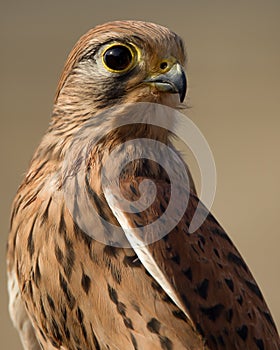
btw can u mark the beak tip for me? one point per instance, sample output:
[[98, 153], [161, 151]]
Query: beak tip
[[182, 86], [182, 96]]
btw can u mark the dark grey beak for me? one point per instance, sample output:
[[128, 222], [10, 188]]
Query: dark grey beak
[[174, 81]]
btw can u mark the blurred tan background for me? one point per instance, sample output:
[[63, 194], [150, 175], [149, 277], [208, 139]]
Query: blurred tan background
[[234, 79]]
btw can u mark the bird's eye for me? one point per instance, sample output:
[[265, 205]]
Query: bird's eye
[[118, 58]]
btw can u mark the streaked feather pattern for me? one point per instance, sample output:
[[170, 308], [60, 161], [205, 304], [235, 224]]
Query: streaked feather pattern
[[69, 291]]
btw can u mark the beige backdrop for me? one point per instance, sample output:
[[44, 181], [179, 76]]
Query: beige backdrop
[[234, 77]]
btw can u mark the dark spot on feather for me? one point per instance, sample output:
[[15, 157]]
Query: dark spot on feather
[[15, 210], [53, 342], [14, 240], [94, 338], [202, 288], [67, 333], [165, 343], [221, 340], [18, 272], [42, 334], [221, 233], [116, 273], [230, 283], [179, 314], [216, 252], [113, 294], [62, 225], [56, 331], [81, 235], [63, 312], [202, 239], [50, 302], [30, 289], [58, 254], [80, 315], [97, 200], [39, 168], [162, 208], [134, 342], [237, 261], [188, 273], [186, 301], [176, 258], [33, 198], [199, 329], [30, 242], [212, 312], [69, 260], [128, 323], [240, 299], [137, 224], [37, 273], [86, 282], [242, 332], [121, 308], [200, 245], [194, 249], [133, 190], [213, 340], [166, 298], [157, 287], [269, 319], [42, 309], [259, 343], [254, 288], [65, 288], [154, 325], [132, 261], [84, 331], [211, 218], [111, 251], [229, 315], [45, 215]]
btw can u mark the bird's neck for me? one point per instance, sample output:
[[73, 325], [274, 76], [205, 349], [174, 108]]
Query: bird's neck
[[72, 131]]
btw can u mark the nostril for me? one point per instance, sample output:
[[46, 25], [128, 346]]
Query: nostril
[[163, 65]]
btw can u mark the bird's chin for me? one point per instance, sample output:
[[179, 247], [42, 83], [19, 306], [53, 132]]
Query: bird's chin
[[151, 94], [170, 100], [165, 98]]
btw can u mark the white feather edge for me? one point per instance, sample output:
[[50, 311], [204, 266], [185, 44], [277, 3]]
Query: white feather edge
[[19, 316], [146, 258]]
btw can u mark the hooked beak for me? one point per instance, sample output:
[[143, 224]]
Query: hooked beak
[[173, 81]]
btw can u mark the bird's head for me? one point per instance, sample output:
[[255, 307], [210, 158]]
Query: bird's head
[[123, 61]]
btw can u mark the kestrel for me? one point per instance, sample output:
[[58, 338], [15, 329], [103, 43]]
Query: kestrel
[[70, 291]]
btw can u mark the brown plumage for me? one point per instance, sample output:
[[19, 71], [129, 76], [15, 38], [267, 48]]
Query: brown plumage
[[69, 291]]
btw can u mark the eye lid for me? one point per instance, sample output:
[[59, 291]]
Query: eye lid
[[133, 50]]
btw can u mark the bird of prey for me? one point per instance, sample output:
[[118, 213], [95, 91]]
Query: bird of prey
[[70, 291]]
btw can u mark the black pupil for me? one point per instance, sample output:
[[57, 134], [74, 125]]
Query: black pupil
[[118, 57]]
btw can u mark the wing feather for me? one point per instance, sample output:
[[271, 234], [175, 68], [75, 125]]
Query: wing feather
[[203, 273]]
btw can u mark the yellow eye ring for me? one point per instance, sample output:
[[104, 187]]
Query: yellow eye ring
[[119, 57]]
